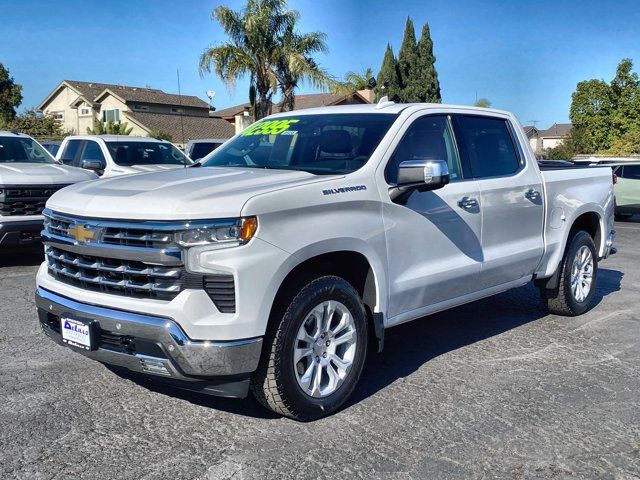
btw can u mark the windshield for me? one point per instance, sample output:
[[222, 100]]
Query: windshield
[[146, 153], [24, 150], [320, 144]]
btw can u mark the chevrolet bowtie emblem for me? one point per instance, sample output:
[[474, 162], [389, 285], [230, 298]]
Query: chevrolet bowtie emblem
[[82, 234]]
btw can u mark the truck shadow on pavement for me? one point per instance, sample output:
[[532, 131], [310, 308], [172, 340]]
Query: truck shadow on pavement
[[411, 345], [22, 256]]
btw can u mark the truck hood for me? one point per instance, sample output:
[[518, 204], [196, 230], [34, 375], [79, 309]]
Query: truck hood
[[42, 173], [179, 194], [121, 170]]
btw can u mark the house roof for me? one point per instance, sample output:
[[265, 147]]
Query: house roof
[[311, 100], [559, 130], [194, 126], [90, 91], [530, 130]]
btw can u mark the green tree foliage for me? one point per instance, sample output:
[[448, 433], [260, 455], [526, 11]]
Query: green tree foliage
[[109, 128], [388, 82], [160, 135], [425, 76], [482, 102], [590, 113], [355, 81], [264, 45], [10, 96], [566, 150], [626, 145], [408, 65], [625, 100], [296, 64], [36, 125]]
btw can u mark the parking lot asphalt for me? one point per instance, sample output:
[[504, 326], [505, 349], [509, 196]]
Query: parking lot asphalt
[[493, 389]]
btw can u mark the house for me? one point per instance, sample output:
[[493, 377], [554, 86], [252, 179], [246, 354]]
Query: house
[[554, 135], [533, 135], [184, 117], [239, 116]]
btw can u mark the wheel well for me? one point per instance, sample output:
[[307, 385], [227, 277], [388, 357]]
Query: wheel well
[[590, 223]]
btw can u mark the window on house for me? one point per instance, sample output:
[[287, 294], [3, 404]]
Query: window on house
[[141, 108], [85, 112], [111, 115], [176, 110], [58, 116]]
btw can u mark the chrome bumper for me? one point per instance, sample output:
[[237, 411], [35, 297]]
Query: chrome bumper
[[147, 344]]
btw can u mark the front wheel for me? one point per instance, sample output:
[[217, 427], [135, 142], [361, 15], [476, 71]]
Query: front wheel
[[577, 283], [314, 352]]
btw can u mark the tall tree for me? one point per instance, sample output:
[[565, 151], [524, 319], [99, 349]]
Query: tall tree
[[407, 63], [252, 49], [388, 81], [426, 76], [295, 62], [10, 96], [38, 125], [625, 100], [590, 114]]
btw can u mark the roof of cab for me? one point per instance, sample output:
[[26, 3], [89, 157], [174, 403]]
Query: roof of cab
[[6, 133], [116, 138], [388, 107]]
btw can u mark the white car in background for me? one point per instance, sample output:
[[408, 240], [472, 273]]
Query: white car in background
[[28, 177], [112, 155]]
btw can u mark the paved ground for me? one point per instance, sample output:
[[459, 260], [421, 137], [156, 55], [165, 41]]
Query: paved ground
[[494, 389]]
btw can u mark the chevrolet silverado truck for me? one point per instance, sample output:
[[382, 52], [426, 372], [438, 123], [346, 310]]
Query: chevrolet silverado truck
[[276, 263], [113, 155], [28, 177]]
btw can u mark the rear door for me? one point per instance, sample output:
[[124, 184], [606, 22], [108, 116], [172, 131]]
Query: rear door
[[511, 198], [628, 188], [433, 242]]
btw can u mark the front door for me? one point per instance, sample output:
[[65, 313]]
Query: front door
[[433, 240]]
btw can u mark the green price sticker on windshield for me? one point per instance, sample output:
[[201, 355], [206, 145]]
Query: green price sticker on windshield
[[269, 127]]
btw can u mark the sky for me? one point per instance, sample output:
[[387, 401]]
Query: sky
[[524, 56]]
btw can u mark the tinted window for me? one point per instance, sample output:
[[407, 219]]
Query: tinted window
[[92, 151], [70, 151], [201, 150], [146, 153], [23, 150], [428, 138], [631, 171], [487, 144], [320, 144]]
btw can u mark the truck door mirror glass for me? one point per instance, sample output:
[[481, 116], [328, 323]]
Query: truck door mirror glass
[[422, 175], [95, 165]]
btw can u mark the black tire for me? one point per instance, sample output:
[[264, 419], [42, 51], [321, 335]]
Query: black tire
[[274, 384], [562, 301]]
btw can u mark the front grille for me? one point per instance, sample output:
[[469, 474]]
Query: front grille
[[108, 275], [25, 200], [221, 289]]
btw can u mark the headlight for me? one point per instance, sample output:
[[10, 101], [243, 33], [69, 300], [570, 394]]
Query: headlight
[[238, 231]]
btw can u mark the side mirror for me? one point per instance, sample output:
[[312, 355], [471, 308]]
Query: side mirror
[[421, 175], [95, 165]]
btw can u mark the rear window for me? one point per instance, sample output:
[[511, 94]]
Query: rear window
[[146, 153], [22, 150], [201, 150], [488, 145], [631, 172]]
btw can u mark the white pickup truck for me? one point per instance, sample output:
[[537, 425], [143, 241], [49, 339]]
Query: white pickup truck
[[113, 155], [276, 263], [28, 177]]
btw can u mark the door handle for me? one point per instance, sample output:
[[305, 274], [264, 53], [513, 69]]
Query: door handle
[[532, 194], [468, 203]]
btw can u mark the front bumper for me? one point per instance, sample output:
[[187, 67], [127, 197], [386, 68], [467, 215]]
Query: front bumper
[[14, 233], [155, 346]]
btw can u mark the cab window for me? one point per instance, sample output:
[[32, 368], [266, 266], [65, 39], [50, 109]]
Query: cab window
[[427, 138]]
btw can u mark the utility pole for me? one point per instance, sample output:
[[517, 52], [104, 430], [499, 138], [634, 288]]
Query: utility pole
[[180, 102]]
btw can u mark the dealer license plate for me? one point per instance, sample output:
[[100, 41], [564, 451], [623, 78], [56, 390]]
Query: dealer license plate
[[75, 333]]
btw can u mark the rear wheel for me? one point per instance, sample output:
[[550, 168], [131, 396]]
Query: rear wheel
[[577, 283], [314, 352]]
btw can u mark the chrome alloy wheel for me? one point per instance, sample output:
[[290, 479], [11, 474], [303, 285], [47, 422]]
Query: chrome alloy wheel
[[325, 348], [582, 273]]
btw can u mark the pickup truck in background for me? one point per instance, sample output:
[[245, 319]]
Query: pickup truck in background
[[112, 155], [197, 149], [28, 177], [278, 261]]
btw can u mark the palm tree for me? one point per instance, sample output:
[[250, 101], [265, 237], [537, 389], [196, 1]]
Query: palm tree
[[355, 81], [253, 48], [296, 64], [109, 128]]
